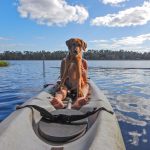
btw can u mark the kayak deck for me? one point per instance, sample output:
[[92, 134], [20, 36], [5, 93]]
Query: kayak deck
[[19, 130]]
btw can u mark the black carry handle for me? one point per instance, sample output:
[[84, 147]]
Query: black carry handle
[[62, 118]]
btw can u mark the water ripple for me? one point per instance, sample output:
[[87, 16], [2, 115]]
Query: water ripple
[[126, 86]]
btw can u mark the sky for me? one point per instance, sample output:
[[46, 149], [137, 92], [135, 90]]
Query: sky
[[35, 25]]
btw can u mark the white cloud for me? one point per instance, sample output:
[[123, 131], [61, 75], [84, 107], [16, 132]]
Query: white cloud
[[4, 38], [40, 37], [130, 40], [98, 41], [139, 15], [113, 2], [137, 43], [52, 12], [15, 46]]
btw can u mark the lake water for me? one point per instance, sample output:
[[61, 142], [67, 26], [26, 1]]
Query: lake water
[[125, 83]]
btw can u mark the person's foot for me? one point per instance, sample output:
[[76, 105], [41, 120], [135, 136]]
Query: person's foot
[[58, 104], [79, 102]]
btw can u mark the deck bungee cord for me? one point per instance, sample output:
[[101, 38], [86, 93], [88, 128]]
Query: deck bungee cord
[[63, 118]]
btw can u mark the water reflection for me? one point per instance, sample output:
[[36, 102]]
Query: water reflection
[[128, 91]]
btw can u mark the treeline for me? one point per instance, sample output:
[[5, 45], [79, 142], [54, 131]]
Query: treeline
[[29, 55], [89, 55]]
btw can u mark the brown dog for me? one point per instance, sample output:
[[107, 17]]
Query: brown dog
[[73, 75]]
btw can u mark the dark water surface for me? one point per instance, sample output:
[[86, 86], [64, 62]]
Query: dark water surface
[[126, 84]]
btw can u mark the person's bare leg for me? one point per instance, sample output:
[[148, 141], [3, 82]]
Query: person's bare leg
[[59, 96], [82, 100]]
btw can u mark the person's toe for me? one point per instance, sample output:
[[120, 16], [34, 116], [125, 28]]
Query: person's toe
[[76, 105], [57, 103], [59, 106], [79, 102], [53, 102], [82, 102]]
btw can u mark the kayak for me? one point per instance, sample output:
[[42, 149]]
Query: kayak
[[25, 129]]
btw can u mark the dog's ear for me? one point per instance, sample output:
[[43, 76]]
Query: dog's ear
[[68, 42], [84, 45]]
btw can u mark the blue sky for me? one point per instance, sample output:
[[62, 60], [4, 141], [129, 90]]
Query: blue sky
[[36, 25]]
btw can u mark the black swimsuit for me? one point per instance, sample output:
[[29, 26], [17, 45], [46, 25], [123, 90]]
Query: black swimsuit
[[72, 93]]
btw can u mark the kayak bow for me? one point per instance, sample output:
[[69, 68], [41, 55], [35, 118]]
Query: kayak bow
[[26, 129]]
